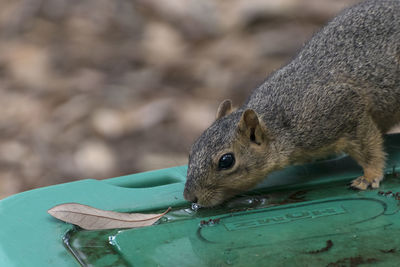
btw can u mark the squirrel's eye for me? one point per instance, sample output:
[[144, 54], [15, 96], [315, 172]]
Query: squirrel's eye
[[226, 161]]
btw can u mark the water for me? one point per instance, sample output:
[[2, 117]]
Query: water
[[195, 206]]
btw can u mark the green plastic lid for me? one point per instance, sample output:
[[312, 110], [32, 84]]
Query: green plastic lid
[[302, 216]]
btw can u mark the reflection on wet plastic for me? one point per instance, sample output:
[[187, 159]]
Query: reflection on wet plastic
[[195, 206]]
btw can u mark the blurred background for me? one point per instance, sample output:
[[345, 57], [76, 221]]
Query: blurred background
[[100, 88]]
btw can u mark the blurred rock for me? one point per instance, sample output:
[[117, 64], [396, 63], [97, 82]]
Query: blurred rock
[[161, 161], [196, 20], [149, 115], [12, 152], [195, 117], [29, 65], [9, 184], [71, 111], [20, 113], [142, 81], [249, 12], [95, 158], [281, 41], [162, 45], [86, 80], [254, 12], [108, 123]]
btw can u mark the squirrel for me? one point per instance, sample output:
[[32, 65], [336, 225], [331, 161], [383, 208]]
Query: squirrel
[[341, 93]]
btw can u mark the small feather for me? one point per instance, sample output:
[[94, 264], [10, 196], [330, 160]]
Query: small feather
[[90, 218]]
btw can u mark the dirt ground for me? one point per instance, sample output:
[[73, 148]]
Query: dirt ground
[[99, 88]]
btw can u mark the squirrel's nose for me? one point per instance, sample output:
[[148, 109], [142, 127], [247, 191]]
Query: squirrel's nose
[[190, 196]]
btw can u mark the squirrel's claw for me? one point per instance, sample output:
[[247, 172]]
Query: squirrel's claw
[[361, 183], [375, 183]]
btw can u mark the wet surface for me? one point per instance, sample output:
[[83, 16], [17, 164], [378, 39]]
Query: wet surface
[[93, 248], [327, 225]]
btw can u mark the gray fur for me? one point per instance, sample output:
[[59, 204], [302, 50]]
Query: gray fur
[[316, 98], [348, 71]]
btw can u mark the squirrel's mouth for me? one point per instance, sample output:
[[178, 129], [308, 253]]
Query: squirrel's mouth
[[210, 197], [213, 198], [203, 197], [207, 203]]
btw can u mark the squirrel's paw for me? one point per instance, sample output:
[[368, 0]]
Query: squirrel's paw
[[375, 183], [362, 183]]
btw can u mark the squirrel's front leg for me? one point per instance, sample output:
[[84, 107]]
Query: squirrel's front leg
[[367, 150]]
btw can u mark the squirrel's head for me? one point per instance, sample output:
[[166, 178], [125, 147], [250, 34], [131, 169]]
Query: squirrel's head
[[230, 157]]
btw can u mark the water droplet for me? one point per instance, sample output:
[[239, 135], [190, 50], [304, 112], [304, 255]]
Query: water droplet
[[263, 201], [111, 240], [189, 211], [195, 206]]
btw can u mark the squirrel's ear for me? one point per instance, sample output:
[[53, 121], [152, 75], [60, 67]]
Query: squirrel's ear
[[250, 127], [225, 108]]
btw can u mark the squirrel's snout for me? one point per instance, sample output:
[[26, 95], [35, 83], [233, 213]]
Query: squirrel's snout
[[194, 200], [189, 196]]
